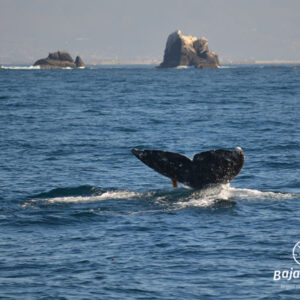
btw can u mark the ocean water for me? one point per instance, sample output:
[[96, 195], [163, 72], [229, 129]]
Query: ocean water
[[82, 218]]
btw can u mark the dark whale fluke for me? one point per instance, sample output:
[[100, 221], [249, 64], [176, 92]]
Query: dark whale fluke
[[206, 168]]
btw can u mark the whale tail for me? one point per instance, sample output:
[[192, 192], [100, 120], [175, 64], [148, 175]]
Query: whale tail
[[206, 168]]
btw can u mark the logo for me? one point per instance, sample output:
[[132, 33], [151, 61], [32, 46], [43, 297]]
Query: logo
[[296, 253], [290, 274]]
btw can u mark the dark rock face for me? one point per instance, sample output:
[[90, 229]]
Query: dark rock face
[[58, 60], [188, 51], [79, 62], [61, 55]]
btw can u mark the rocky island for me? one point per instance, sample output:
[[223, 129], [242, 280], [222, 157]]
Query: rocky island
[[59, 60], [184, 50]]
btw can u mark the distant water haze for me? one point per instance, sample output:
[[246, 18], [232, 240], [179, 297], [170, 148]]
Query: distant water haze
[[136, 31]]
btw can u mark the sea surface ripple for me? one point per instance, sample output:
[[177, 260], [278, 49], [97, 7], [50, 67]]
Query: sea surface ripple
[[82, 218]]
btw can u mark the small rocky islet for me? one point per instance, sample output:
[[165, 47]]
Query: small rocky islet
[[59, 60]]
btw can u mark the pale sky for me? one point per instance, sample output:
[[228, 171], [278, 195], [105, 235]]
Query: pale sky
[[130, 30]]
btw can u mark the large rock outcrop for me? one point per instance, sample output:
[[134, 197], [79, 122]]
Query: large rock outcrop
[[59, 60], [184, 50]]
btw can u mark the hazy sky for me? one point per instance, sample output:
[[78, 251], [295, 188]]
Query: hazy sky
[[137, 29]]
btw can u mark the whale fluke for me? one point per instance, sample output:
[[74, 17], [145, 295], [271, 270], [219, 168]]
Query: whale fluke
[[207, 168]]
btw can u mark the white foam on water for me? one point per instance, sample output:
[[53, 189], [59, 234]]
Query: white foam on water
[[210, 196], [181, 67], [34, 68], [249, 194], [202, 198], [82, 199], [21, 68], [205, 197], [226, 67]]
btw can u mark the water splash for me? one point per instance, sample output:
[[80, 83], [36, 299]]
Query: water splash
[[221, 193], [175, 199], [206, 197]]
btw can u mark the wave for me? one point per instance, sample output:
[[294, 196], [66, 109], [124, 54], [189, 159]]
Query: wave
[[109, 195], [181, 67], [219, 195], [81, 194], [81, 190], [226, 67], [21, 67], [249, 194], [33, 68]]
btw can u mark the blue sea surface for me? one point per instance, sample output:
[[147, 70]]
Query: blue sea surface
[[82, 218]]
